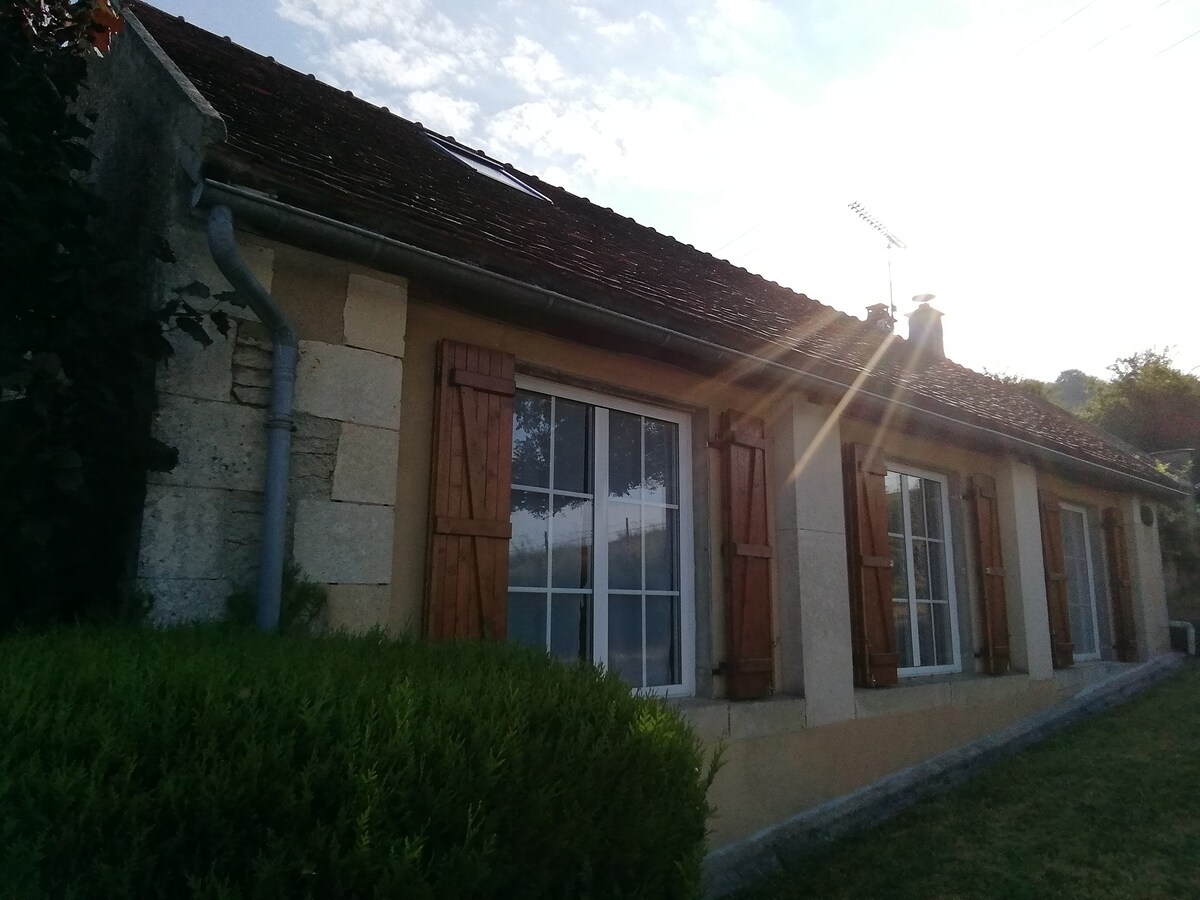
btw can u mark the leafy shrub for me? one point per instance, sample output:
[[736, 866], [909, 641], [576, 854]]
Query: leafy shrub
[[225, 763]]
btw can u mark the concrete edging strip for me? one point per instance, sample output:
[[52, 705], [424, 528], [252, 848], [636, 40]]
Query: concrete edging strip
[[735, 866]]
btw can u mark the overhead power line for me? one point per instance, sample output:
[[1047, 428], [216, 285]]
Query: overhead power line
[[1176, 44], [1132, 21], [1052, 30]]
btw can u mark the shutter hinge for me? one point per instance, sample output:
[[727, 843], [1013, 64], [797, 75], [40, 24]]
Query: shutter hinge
[[721, 669]]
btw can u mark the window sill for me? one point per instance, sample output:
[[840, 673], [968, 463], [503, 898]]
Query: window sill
[[739, 720], [930, 691]]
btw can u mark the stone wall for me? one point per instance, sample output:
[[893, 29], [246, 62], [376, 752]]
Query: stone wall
[[202, 521]]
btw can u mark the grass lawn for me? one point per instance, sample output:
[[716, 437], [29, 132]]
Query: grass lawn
[[1107, 808]]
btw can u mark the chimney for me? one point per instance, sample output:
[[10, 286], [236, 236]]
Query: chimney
[[879, 316], [925, 329]]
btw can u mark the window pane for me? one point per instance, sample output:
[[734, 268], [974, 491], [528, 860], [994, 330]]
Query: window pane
[[891, 483], [571, 626], [941, 634], [662, 548], [921, 568], [1079, 585], [933, 509], [527, 619], [916, 505], [572, 550], [624, 546], [625, 637], [903, 635], [624, 455], [572, 446], [662, 641], [899, 569], [527, 549], [925, 633], [937, 571], [531, 439], [662, 465]]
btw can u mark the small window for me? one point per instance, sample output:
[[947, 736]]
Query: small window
[[600, 558], [486, 166], [922, 572]]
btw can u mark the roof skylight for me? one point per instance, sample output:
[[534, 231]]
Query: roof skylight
[[485, 166]]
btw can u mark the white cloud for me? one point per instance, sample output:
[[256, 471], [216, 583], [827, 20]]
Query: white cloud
[[623, 29], [441, 113], [372, 60], [535, 69], [355, 15]]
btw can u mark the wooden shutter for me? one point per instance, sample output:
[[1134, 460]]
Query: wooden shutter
[[872, 616], [467, 574], [990, 564], [1121, 585], [749, 661], [1061, 648]]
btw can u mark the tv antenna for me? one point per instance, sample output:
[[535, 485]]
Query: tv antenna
[[892, 241]]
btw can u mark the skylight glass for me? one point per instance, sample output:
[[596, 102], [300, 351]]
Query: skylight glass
[[488, 167]]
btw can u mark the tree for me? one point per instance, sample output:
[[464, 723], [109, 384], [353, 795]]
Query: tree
[[1073, 388], [79, 343], [1149, 403]]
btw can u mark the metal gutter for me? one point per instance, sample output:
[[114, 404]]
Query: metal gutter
[[330, 236], [284, 352]]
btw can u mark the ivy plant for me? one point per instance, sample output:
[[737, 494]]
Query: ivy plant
[[79, 343]]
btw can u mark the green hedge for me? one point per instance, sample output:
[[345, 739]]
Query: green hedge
[[223, 763]]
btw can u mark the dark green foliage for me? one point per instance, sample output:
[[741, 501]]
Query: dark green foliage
[[78, 342], [225, 763], [1149, 403], [1074, 388], [302, 603]]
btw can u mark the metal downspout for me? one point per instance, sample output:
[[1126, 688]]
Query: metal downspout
[[284, 350]]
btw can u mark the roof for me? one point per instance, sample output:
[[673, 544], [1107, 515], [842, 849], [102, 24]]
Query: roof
[[324, 150]]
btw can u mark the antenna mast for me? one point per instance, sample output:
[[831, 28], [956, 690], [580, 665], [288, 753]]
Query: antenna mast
[[892, 241]]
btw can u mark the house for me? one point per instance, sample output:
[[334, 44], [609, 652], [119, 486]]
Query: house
[[520, 415]]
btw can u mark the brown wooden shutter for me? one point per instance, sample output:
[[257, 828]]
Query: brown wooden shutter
[[990, 557], [467, 573], [1061, 648], [872, 614], [1121, 584], [749, 661]]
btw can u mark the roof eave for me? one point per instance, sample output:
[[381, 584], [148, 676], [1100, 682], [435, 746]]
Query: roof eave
[[312, 230]]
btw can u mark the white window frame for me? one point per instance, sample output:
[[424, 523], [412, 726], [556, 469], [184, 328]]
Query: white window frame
[[486, 166], [951, 593], [1091, 580], [687, 592]]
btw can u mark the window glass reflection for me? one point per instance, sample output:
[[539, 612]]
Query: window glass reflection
[[571, 552], [531, 439], [624, 456], [661, 483], [572, 446], [527, 550], [527, 618]]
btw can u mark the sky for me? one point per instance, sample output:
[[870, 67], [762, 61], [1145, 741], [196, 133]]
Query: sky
[[1039, 160]]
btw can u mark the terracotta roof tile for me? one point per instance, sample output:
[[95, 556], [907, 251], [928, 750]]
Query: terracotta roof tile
[[325, 150]]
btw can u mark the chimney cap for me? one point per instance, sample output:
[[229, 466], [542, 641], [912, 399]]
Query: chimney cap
[[880, 316]]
